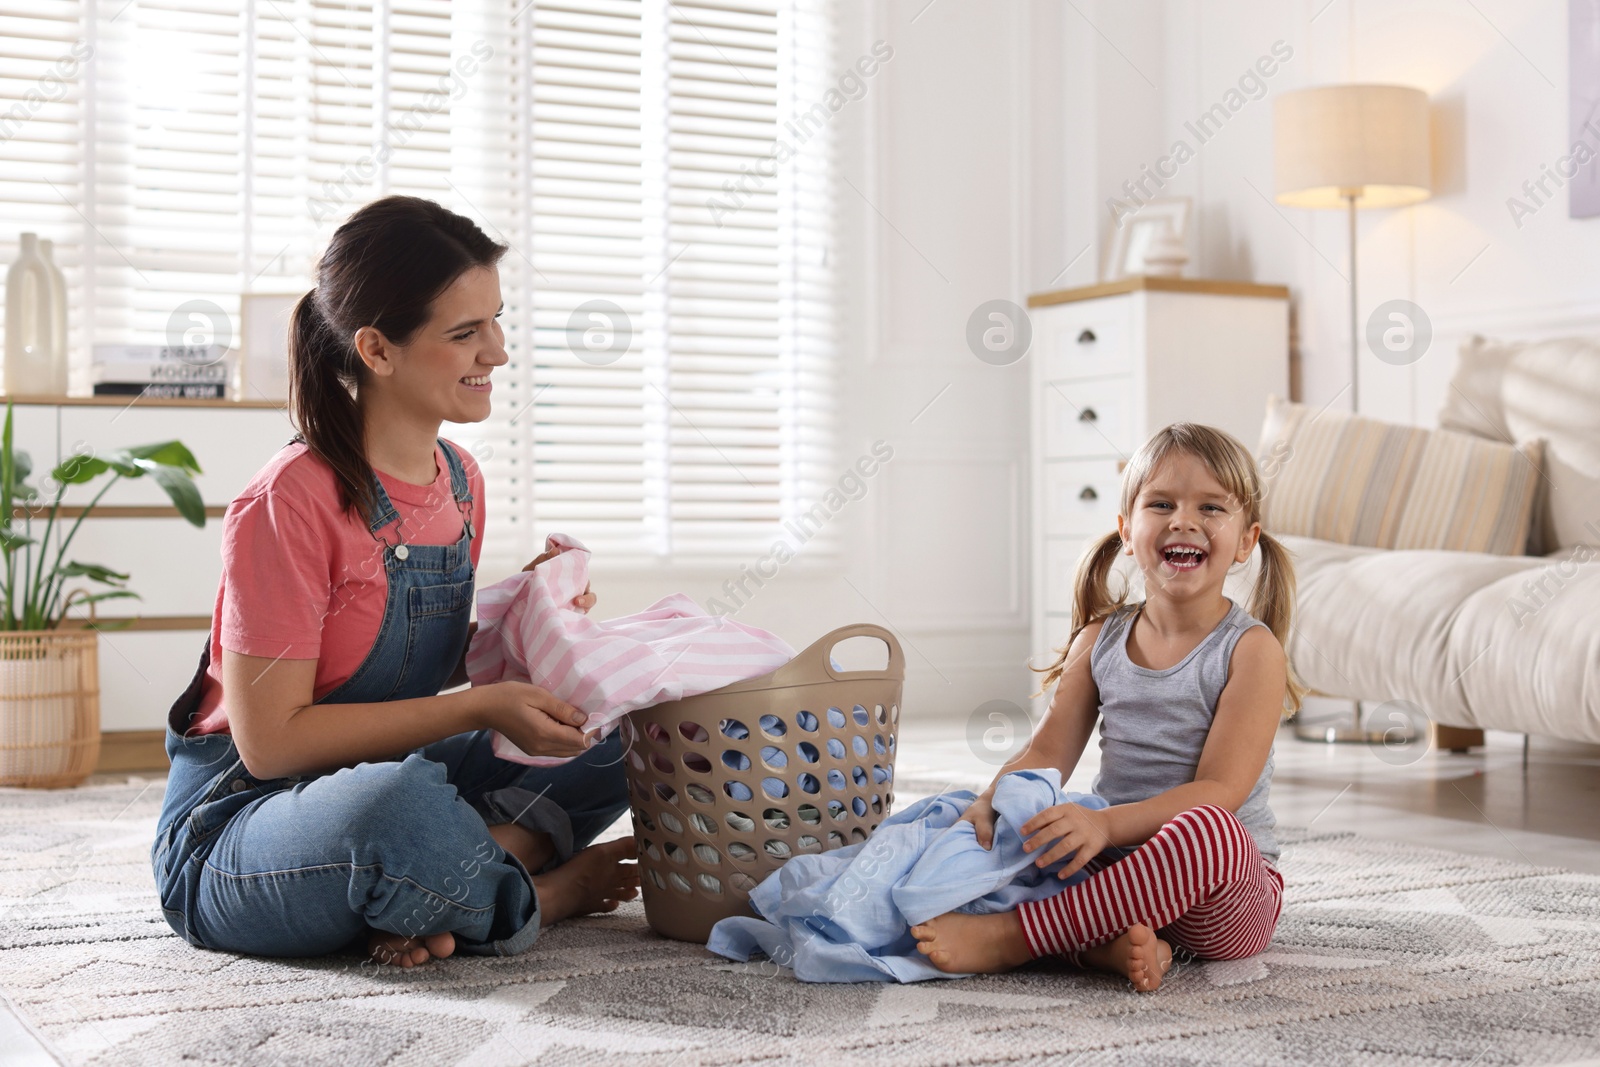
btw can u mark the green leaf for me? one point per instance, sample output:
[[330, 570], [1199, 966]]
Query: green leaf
[[168, 454], [75, 470], [109, 594], [181, 488], [10, 541], [92, 571], [7, 470]]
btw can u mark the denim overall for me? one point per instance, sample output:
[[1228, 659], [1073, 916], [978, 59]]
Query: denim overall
[[302, 865]]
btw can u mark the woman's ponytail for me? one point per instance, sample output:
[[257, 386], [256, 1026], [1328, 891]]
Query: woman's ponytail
[[322, 377]]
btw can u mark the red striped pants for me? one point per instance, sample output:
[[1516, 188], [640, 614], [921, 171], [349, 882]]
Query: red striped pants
[[1200, 881]]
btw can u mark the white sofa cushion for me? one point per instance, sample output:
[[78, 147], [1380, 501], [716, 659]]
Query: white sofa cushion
[[1472, 404], [1551, 389], [1499, 642]]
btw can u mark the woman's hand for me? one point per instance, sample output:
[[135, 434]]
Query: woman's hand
[[584, 600], [1074, 829], [980, 813], [533, 719]]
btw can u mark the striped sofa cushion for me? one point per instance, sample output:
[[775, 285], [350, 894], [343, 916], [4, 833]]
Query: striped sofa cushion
[[1359, 481]]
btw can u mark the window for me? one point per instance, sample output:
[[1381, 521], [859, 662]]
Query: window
[[661, 170]]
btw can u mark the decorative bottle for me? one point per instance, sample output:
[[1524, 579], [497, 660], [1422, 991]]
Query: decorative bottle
[[58, 315], [30, 341]]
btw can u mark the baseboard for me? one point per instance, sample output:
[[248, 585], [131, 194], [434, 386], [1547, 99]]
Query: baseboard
[[132, 750]]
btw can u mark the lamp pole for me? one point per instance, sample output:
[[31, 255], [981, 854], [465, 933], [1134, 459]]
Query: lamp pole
[[1351, 195]]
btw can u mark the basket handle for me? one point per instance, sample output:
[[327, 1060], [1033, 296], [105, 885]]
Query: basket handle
[[815, 657]]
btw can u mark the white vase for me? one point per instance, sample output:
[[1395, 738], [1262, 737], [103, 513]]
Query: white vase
[[30, 326], [58, 314]]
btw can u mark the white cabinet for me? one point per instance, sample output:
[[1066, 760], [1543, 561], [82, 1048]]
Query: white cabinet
[[1115, 363], [135, 529]]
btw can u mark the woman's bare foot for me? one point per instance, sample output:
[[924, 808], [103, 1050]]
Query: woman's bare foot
[[594, 879], [399, 950], [958, 943], [1139, 955]]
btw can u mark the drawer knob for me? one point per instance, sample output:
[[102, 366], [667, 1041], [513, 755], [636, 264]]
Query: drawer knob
[[1087, 337], [1088, 493], [1087, 415]]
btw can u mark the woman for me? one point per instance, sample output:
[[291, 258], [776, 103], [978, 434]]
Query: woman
[[294, 827]]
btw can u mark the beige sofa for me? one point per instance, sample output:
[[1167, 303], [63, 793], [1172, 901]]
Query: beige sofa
[[1505, 642]]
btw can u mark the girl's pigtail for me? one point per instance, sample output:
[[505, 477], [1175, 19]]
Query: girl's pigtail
[[1091, 599], [1272, 601]]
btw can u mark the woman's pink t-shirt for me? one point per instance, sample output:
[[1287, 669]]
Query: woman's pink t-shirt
[[304, 579]]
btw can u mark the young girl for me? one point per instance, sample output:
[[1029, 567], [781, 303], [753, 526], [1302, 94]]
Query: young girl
[[1190, 689]]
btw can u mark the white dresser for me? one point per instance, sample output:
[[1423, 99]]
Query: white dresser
[[1112, 364], [134, 529]]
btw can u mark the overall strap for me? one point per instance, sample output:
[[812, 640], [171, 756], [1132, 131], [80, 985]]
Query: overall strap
[[458, 473]]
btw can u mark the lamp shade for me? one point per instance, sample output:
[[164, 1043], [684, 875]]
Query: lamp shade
[[1337, 140]]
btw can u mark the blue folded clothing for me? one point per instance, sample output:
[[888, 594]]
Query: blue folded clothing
[[846, 915]]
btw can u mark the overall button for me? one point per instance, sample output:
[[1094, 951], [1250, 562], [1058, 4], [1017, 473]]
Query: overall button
[[401, 552], [240, 786]]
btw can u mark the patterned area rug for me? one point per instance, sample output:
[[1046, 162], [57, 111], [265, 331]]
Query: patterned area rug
[[1385, 954]]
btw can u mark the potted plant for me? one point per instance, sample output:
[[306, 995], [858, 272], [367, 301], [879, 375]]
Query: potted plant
[[49, 676]]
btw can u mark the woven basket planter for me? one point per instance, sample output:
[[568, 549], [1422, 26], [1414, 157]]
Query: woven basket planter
[[49, 707]]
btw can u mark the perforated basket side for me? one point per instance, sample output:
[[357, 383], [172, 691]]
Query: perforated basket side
[[728, 785]]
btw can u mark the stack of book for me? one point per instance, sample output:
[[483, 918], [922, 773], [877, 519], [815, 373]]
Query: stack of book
[[189, 372]]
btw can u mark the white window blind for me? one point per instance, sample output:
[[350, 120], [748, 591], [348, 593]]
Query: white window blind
[[633, 152], [699, 421]]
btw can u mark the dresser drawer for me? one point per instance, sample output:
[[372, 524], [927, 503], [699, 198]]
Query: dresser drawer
[[1080, 497], [1089, 418], [1090, 339]]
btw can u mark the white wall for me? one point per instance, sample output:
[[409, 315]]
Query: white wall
[[1496, 72]]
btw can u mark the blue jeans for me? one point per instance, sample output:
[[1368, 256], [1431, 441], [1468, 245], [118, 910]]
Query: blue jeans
[[301, 866]]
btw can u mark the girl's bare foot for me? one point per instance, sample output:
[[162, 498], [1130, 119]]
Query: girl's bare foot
[[401, 951], [594, 879], [1138, 954], [958, 943]]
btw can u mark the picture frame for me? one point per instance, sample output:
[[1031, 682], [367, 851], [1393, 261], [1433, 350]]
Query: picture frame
[[1138, 231], [264, 344]]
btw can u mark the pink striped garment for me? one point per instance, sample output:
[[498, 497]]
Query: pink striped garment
[[528, 631]]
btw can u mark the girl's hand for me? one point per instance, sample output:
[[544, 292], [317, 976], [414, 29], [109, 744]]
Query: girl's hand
[[534, 720], [1074, 829], [584, 600], [980, 813]]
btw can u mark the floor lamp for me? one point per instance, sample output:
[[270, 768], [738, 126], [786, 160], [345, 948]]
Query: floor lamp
[[1349, 147]]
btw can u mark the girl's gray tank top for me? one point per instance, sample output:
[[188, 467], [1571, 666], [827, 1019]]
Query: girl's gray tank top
[[1153, 723]]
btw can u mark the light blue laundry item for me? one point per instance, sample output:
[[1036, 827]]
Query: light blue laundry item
[[846, 915]]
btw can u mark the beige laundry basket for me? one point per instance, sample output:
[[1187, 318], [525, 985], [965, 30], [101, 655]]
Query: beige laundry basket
[[728, 785]]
